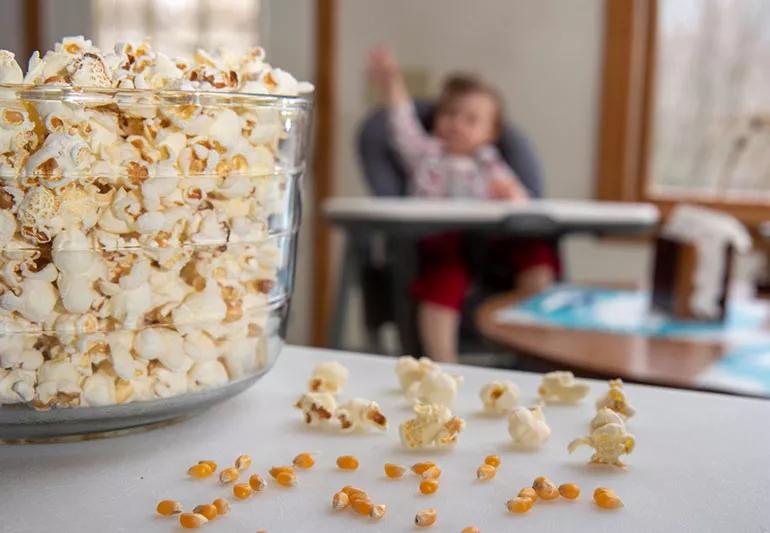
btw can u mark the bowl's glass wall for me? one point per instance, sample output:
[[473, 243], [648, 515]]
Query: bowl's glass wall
[[147, 240]]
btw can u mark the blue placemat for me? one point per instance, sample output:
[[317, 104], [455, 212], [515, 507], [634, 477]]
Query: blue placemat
[[745, 369], [624, 311]]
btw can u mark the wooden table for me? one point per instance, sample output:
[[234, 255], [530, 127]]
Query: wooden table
[[700, 464], [657, 360]]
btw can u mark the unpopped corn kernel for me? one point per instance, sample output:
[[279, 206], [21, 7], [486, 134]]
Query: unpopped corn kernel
[[222, 505], [425, 517], [340, 501], [257, 482], [528, 492], [168, 507], [428, 486], [347, 462], [207, 509], [286, 479], [351, 490], [303, 460], [192, 520], [434, 472], [607, 499], [212, 464], [492, 460], [569, 491], [243, 462], [545, 488], [362, 506], [228, 475], [200, 470], [274, 471], [485, 472], [242, 490], [419, 468], [394, 471], [378, 511], [519, 505]]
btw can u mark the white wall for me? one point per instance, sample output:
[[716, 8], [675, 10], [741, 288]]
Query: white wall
[[11, 28], [545, 57], [64, 19]]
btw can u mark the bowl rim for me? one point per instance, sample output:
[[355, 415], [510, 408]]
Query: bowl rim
[[70, 93]]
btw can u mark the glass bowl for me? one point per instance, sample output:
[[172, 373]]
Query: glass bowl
[[147, 251]]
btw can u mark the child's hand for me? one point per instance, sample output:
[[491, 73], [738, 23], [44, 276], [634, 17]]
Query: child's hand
[[383, 70], [382, 65], [506, 189]]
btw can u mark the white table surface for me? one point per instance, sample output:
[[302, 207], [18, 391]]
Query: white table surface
[[702, 464], [386, 209]]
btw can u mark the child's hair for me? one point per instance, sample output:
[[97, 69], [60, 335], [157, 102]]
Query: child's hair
[[457, 85]]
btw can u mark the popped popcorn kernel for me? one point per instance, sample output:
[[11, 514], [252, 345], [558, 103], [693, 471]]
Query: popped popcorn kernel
[[328, 377], [527, 427], [609, 442], [499, 396], [434, 425], [561, 387], [615, 399]]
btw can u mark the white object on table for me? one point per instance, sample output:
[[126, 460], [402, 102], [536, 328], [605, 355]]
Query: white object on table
[[700, 464], [485, 211]]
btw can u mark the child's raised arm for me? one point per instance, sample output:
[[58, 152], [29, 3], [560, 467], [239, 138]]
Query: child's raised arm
[[384, 72], [410, 139]]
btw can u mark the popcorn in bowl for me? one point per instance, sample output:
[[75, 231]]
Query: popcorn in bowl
[[148, 211]]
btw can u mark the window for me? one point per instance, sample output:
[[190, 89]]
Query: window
[[179, 27], [686, 110], [711, 115]]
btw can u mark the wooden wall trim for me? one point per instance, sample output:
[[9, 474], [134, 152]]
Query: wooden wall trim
[[647, 67], [626, 92], [32, 22], [323, 162]]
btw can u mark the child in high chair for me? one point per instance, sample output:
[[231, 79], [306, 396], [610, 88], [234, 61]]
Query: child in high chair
[[457, 159]]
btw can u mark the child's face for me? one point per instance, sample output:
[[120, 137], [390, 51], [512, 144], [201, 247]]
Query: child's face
[[467, 123]]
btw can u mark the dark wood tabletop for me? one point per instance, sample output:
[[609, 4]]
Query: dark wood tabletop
[[654, 360]]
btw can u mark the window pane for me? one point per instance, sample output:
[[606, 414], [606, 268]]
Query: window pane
[[179, 27], [711, 129]]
